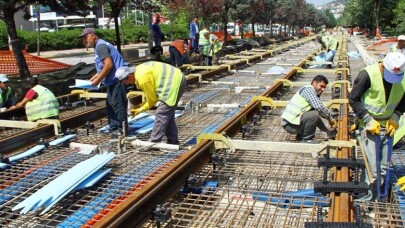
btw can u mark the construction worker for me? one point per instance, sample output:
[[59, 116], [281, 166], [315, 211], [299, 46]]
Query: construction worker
[[330, 44], [214, 48], [178, 52], [108, 59], [39, 102], [377, 99], [6, 93], [303, 112], [399, 46], [163, 85]]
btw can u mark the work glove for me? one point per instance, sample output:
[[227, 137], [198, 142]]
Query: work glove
[[135, 111], [372, 125], [401, 183], [353, 127], [333, 123], [392, 125]]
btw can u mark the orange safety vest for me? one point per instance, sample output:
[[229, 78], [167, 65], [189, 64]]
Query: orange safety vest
[[179, 45]]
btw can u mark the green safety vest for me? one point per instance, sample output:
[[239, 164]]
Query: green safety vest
[[297, 106], [331, 41], [203, 42], [374, 98], [44, 106], [166, 77], [4, 100], [216, 45]]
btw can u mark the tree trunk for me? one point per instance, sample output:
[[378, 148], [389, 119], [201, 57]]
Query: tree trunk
[[253, 29], [15, 43], [377, 4], [117, 31], [225, 22]]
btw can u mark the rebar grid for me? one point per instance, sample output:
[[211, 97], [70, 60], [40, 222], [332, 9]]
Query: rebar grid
[[227, 208], [381, 214]]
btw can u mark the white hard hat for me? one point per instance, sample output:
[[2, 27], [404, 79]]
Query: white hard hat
[[3, 78], [401, 37], [394, 66], [122, 72]]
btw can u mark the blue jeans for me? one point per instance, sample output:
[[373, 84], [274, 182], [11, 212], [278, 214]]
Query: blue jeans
[[117, 106]]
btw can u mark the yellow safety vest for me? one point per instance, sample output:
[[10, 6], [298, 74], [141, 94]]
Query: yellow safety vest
[[331, 41], [166, 78], [297, 106], [216, 45], [203, 42], [44, 106], [374, 98], [4, 100]]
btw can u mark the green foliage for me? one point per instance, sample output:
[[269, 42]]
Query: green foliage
[[331, 19], [68, 39], [400, 17]]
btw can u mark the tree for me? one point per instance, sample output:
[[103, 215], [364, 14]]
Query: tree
[[400, 16], [9, 7]]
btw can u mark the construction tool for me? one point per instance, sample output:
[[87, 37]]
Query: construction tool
[[384, 195]]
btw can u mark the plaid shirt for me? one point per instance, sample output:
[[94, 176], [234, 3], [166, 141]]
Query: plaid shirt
[[312, 97]]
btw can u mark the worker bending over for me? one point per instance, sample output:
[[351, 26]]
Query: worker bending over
[[399, 46], [39, 102], [377, 99], [6, 93], [163, 85], [178, 52], [330, 44], [303, 112]]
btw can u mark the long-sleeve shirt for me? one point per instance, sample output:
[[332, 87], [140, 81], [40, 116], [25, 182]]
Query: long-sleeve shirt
[[157, 31], [147, 84], [309, 93], [360, 86]]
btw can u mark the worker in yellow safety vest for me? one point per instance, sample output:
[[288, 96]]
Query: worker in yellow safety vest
[[6, 93], [330, 45], [39, 102], [163, 85], [303, 112], [399, 46], [377, 99], [215, 47]]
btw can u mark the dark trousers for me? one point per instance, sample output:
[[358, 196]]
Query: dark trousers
[[165, 124], [309, 121], [194, 44], [117, 106], [176, 59], [157, 41]]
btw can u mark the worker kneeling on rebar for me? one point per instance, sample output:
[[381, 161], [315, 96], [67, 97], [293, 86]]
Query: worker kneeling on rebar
[[377, 99], [303, 113], [39, 102], [163, 85]]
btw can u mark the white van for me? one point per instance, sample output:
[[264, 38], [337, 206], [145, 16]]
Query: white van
[[230, 28]]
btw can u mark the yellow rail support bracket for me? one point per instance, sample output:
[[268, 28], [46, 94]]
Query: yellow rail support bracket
[[264, 101], [335, 103], [137, 93], [31, 125], [220, 140], [285, 82], [87, 95], [299, 70], [245, 58], [229, 66], [342, 61], [193, 67], [339, 83], [340, 70]]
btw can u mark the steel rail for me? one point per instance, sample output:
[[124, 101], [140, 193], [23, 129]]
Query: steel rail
[[342, 204], [136, 209]]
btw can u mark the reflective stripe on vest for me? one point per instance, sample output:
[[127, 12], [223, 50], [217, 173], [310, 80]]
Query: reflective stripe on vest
[[4, 100], [167, 80], [374, 99], [297, 106], [44, 106]]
